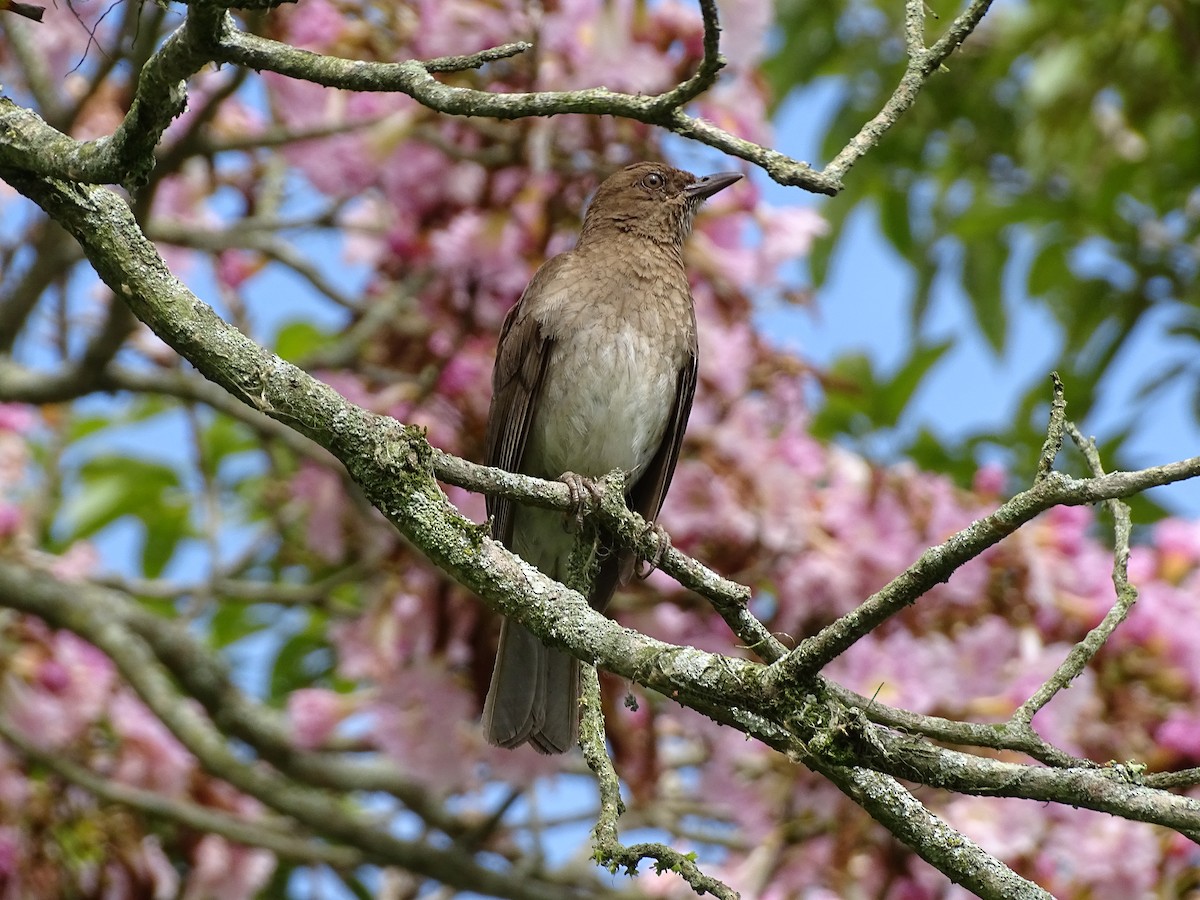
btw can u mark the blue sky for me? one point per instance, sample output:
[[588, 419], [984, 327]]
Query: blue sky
[[864, 305]]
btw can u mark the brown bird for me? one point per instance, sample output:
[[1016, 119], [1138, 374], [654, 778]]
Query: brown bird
[[595, 371]]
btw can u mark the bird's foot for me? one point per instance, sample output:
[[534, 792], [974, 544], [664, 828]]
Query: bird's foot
[[580, 488], [645, 567]]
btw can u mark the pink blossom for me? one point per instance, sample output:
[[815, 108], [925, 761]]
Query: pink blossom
[[1075, 716], [226, 870], [10, 851], [149, 756], [789, 233], [718, 248], [315, 25], [77, 563], [69, 683], [450, 27], [1178, 545], [427, 722], [990, 480], [1143, 565], [900, 670], [364, 221], [726, 355], [588, 44], [11, 519], [484, 253], [314, 714], [66, 33], [468, 372], [1068, 527], [1008, 829], [737, 105], [1181, 733], [1109, 858], [155, 866], [17, 417], [677, 23], [235, 267], [320, 489], [416, 179], [394, 633]]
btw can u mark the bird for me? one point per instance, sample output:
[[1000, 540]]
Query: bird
[[595, 371]]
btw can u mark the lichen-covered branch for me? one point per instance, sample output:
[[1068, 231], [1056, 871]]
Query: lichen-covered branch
[[1083, 652], [608, 849], [126, 156], [922, 63], [949, 851]]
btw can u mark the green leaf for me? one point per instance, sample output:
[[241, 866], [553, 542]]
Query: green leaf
[[297, 340], [224, 437], [893, 396], [926, 271], [894, 220], [931, 454], [114, 486], [230, 623], [140, 409], [102, 499], [170, 526], [983, 263], [849, 384], [304, 658], [1049, 270]]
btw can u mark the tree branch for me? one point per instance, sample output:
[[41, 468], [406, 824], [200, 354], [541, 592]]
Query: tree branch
[[1083, 652], [938, 563], [414, 79], [949, 851], [99, 623], [192, 815], [609, 851], [922, 63], [127, 156]]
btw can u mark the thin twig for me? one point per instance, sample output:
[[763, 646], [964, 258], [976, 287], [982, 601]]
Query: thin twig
[[1054, 430], [415, 80], [1126, 595], [710, 66], [921, 65], [476, 60]]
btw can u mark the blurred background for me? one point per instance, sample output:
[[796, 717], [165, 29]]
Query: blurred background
[[875, 375]]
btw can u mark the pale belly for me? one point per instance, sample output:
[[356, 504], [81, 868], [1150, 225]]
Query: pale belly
[[604, 405]]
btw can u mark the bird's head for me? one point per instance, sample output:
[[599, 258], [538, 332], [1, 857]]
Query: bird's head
[[651, 200]]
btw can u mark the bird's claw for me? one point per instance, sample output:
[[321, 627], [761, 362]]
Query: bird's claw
[[645, 567], [580, 487]]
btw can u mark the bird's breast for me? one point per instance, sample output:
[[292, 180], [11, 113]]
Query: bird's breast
[[609, 390]]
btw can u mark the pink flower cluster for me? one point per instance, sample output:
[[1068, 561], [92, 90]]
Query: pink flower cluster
[[66, 698]]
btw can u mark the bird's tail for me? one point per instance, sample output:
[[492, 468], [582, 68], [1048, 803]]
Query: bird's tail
[[534, 694]]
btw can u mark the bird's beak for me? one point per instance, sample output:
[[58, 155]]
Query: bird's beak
[[710, 184]]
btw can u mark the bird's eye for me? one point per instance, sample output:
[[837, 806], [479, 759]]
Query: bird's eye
[[654, 180]]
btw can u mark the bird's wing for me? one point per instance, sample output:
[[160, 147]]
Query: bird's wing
[[521, 357], [647, 494]]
